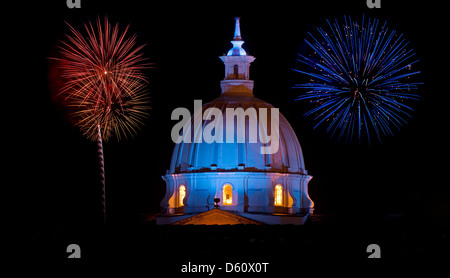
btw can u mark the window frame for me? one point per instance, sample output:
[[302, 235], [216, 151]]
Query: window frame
[[278, 199], [224, 200], [181, 200]]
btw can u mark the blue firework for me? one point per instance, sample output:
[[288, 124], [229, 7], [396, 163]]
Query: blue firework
[[360, 83]]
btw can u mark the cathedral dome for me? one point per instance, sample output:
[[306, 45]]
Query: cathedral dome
[[236, 156]]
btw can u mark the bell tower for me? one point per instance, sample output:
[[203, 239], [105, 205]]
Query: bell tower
[[237, 67]]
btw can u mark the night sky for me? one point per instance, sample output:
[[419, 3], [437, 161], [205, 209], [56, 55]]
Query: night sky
[[54, 168]]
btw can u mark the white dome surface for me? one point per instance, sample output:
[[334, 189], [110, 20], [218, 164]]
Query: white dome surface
[[235, 156]]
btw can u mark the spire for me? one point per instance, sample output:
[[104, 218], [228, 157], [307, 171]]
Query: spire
[[237, 67], [237, 41], [237, 30]]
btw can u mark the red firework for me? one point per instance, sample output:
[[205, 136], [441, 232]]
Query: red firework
[[103, 80], [103, 84]]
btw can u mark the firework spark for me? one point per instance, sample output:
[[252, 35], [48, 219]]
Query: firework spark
[[117, 115], [359, 79], [104, 84]]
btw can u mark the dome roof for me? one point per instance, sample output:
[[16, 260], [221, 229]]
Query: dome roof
[[207, 157], [244, 152]]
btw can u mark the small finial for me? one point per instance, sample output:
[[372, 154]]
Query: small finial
[[237, 30]]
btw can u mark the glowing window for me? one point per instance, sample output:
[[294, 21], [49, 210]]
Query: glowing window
[[181, 195], [278, 195], [227, 195]]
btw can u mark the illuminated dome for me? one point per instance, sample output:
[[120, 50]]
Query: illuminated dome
[[246, 156], [237, 153]]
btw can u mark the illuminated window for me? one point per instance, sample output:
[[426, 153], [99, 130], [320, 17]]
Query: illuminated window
[[278, 195], [227, 195], [181, 195]]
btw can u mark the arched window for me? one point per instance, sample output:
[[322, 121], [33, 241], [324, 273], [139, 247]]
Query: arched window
[[227, 195], [181, 195], [236, 71], [278, 195]]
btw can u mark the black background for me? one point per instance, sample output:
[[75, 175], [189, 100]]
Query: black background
[[53, 172]]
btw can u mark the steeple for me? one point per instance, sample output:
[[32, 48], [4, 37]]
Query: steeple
[[237, 67], [237, 41], [237, 30]]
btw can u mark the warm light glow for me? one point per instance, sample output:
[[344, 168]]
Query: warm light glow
[[278, 195], [227, 195], [181, 195]]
